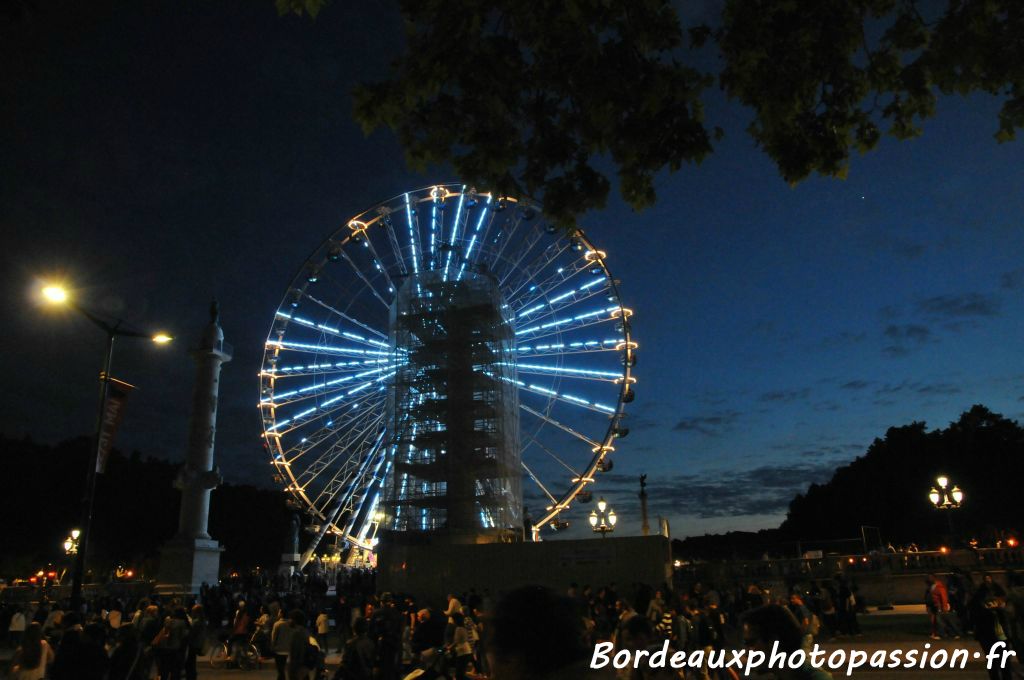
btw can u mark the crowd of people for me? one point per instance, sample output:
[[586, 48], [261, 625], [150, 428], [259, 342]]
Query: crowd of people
[[527, 633]]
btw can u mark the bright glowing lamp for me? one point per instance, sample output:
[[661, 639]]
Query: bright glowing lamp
[[933, 496], [943, 481], [612, 518], [162, 338], [75, 533], [957, 494], [601, 505], [593, 518], [55, 294]]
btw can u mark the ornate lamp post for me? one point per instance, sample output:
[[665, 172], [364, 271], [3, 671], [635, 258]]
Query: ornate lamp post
[[603, 520], [943, 497]]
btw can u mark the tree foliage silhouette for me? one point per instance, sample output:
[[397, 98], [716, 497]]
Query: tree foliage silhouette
[[540, 97]]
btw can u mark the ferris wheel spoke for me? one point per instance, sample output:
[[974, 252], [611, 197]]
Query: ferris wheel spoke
[[378, 264], [342, 315], [553, 456], [450, 247], [559, 425], [566, 348], [414, 236], [310, 348], [499, 253], [300, 419], [320, 389], [567, 323], [360, 448], [530, 271], [362, 276], [351, 421], [324, 369], [542, 294], [558, 306], [536, 480], [396, 247], [570, 399], [516, 265], [568, 372], [477, 236], [331, 330]]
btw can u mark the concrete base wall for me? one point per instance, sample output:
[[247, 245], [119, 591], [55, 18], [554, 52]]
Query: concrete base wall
[[430, 571], [187, 564]]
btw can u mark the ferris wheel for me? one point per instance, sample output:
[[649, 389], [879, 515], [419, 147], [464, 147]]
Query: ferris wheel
[[327, 382]]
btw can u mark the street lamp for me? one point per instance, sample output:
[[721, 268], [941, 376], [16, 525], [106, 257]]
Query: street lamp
[[603, 520], [71, 542], [945, 498], [58, 295]]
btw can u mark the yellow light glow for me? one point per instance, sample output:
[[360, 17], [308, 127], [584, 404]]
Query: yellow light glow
[[75, 533], [55, 294], [162, 338]]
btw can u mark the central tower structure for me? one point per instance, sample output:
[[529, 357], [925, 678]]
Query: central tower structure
[[455, 469]]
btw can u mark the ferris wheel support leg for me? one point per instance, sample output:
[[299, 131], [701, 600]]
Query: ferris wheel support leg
[[329, 520]]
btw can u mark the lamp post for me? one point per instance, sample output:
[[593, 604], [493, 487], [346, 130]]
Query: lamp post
[[58, 296], [944, 497], [603, 520]]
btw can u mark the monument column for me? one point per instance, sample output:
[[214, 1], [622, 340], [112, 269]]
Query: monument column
[[192, 558]]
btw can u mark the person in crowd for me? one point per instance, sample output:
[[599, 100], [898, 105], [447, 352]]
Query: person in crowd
[[196, 642], [764, 626], [358, 655], [126, 655], [33, 656], [323, 628], [171, 645], [656, 607], [428, 633], [17, 627], [992, 625], [461, 648], [536, 635], [281, 643], [385, 632], [300, 663]]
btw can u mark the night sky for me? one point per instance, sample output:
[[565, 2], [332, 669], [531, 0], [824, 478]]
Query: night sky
[[158, 154]]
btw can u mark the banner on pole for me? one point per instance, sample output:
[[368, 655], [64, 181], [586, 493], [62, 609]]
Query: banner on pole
[[113, 414]]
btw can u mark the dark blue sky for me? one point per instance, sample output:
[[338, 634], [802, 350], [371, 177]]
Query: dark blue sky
[[159, 154]]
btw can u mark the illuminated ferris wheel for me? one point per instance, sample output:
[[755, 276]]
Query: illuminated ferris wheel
[[349, 387]]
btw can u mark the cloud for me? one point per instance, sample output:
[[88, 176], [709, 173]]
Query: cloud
[[764, 490], [711, 425], [904, 338], [1012, 280], [965, 305], [855, 385], [939, 388], [843, 339], [785, 396], [899, 246]]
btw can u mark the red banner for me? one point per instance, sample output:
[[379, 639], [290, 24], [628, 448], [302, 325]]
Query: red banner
[[113, 414]]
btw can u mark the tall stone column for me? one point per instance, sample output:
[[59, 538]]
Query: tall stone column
[[192, 558]]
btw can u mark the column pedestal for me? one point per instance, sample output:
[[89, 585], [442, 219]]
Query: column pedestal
[[186, 564]]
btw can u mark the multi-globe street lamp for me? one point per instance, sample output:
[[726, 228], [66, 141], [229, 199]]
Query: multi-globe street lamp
[[944, 497], [603, 520], [71, 542], [58, 295]]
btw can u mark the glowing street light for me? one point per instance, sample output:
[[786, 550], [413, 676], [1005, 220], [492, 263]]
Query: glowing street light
[[58, 295], [945, 498], [55, 294], [603, 520]]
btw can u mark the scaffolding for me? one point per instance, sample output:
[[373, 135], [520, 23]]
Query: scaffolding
[[453, 412]]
